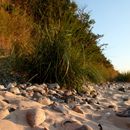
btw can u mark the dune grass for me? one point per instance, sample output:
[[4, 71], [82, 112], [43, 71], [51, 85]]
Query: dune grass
[[53, 45], [123, 77]]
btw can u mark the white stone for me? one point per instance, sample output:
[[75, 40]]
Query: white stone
[[2, 87]]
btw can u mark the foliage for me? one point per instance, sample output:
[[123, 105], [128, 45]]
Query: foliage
[[123, 77], [53, 42]]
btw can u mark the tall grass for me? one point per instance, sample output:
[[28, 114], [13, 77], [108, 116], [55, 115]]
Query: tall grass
[[57, 45], [123, 77]]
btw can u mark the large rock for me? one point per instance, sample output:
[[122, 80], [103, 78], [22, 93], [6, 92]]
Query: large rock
[[35, 117]]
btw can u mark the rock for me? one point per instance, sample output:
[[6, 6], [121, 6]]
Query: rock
[[15, 90], [22, 86], [70, 99], [59, 108], [40, 90], [122, 89], [125, 98], [51, 92], [67, 93], [35, 117], [24, 93], [31, 88], [53, 98], [4, 113], [111, 106], [2, 87], [53, 86], [89, 89], [29, 93], [84, 127], [77, 109], [37, 89], [12, 109], [11, 85], [74, 92], [73, 125], [44, 101], [36, 96]]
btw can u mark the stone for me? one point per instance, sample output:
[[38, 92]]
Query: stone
[[51, 92], [84, 127], [125, 98], [35, 117], [22, 86], [77, 109], [53, 86], [122, 89], [69, 99], [15, 90], [67, 93], [31, 88], [89, 89], [111, 106], [30, 93], [40, 90], [59, 108], [11, 85], [71, 125], [2, 87], [44, 101], [37, 95]]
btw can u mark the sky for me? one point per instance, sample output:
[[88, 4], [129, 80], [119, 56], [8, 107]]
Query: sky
[[112, 19]]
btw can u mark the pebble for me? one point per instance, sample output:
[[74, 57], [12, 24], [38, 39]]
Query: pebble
[[15, 90], [2, 87], [53, 86], [45, 101], [11, 85], [77, 109]]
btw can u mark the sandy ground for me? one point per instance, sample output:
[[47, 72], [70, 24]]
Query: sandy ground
[[61, 117]]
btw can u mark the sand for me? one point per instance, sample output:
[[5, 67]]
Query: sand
[[63, 117]]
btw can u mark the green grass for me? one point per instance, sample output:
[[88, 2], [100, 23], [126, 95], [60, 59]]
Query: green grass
[[54, 44]]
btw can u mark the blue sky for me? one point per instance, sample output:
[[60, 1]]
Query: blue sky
[[112, 19]]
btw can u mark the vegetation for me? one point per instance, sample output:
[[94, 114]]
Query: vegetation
[[123, 77], [52, 41]]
